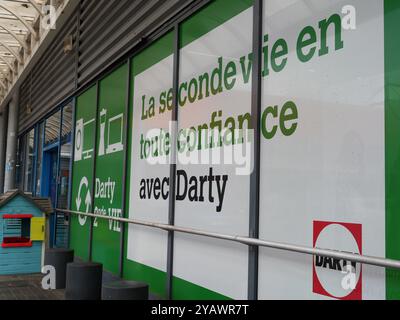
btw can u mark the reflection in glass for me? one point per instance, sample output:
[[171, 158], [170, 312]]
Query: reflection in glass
[[64, 177], [67, 122], [65, 157], [63, 186], [52, 128], [20, 163], [29, 160], [39, 159]]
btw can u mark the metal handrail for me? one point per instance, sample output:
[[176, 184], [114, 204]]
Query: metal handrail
[[352, 257]]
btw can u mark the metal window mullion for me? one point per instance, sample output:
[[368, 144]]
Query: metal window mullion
[[59, 151], [94, 171], [173, 165], [58, 171], [34, 164], [71, 169], [255, 176], [26, 156], [22, 164], [43, 124], [125, 178], [33, 159]]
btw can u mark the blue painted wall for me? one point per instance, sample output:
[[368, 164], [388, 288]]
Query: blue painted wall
[[20, 260]]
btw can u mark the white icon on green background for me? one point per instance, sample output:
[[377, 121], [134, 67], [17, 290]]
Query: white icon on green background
[[111, 136], [83, 142]]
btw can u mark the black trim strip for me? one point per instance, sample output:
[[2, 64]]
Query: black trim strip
[[255, 176]]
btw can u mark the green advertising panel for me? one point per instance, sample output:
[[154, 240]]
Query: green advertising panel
[[392, 117], [109, 168], [83, 171]]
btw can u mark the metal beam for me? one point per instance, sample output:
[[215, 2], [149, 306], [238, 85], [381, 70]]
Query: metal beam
[[13, 34], [11, 51], [63, 15], [37, 8], [23, 21], [7, 62]]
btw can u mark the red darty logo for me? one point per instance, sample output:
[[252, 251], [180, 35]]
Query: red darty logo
[[334, 278]]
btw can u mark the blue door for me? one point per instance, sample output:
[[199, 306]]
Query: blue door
[[49, 184]]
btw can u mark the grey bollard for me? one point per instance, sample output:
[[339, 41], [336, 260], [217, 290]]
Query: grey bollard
[[125, 290], [59, 258], [84, 281]]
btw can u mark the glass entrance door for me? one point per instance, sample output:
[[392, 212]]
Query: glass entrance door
[[49, 184], [49, 180]]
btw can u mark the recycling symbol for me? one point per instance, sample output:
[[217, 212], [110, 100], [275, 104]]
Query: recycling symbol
[[88, 200]]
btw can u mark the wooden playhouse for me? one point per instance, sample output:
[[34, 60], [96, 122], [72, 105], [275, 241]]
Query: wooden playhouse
[[22, 232]]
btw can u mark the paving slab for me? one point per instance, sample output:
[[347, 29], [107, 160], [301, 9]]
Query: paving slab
[[26, 287]]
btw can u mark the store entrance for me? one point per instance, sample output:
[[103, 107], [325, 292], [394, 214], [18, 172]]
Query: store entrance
[[49, 180], [49, 183]]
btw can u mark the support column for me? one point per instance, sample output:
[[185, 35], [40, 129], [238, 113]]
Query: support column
[[12, 135], [3, 134]]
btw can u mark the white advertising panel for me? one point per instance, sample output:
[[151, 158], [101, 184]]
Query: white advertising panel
[[149, 181], [216, 66], [323, 157]]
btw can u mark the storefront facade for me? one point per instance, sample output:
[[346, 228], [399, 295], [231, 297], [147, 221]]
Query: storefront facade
[[316, 83], [44, 165]]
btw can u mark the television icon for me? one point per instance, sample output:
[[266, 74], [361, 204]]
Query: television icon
[[115, 134]]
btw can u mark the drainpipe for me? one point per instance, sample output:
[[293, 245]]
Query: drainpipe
[[12, 135], [3, 134]]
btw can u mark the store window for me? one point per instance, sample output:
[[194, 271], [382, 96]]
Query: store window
[[65, 157], [52, 129], [39, 159], [29, 161], [20, 163], [63, 177], [49, 174]]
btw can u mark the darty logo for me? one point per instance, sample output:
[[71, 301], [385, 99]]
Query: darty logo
[[334, 278]]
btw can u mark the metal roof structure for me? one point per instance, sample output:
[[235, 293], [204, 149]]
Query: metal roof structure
[[24, 25]]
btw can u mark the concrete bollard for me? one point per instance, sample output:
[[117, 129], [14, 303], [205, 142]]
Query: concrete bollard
[[125, 290], [59, 258], [84, 281]]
